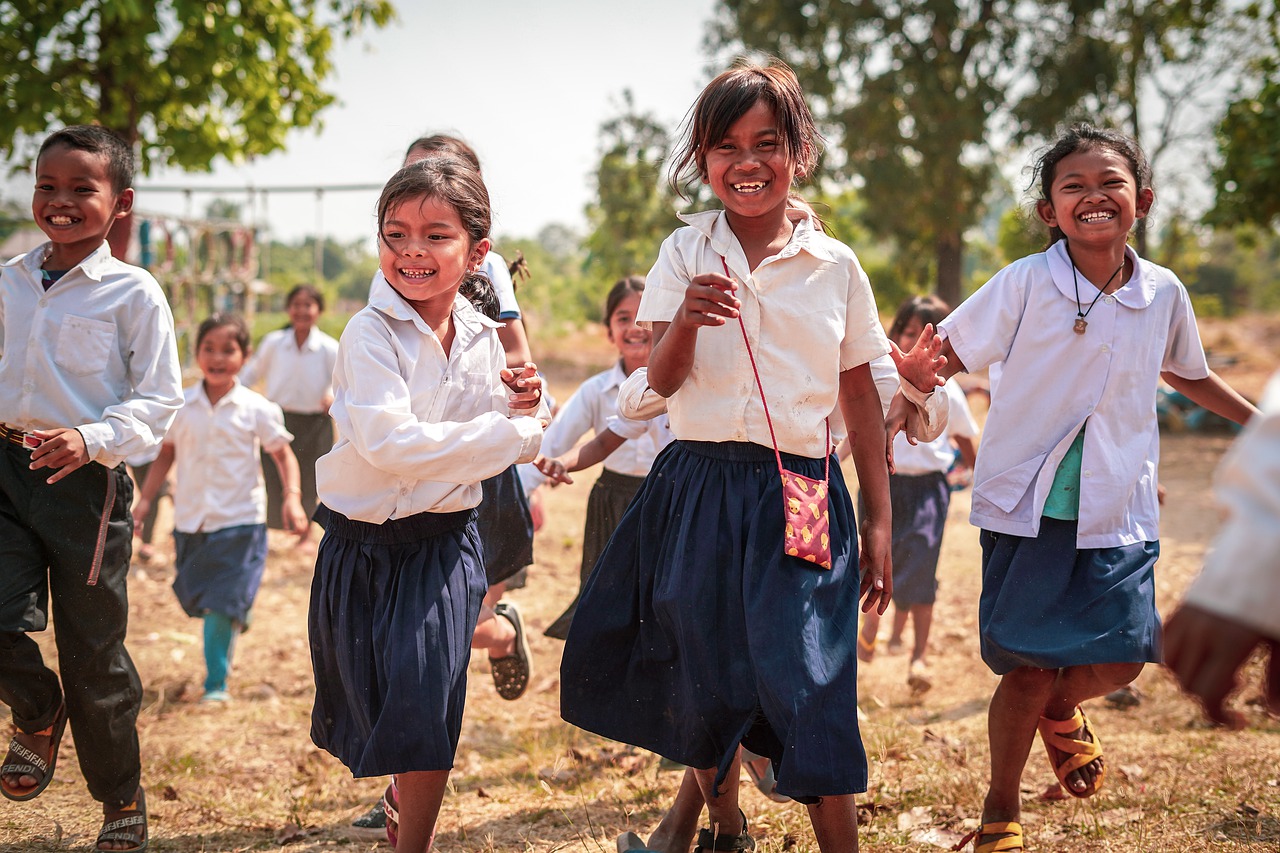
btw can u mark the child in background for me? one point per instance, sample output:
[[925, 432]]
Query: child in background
[[425, 408], [1066, 479], [219, 502], [139, 464], [659, 654], [920, 494], [592, 407], [296, 365], [89, 377]]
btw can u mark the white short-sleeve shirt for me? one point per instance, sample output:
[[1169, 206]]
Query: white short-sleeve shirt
[[937, 456], [218, 466], [299, 378], [809, 315], [495, 267], [418, 429], [1053, 380]]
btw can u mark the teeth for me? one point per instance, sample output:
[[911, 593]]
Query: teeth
[[751, 187], [60, 220], [1097, 216], [416, 273]]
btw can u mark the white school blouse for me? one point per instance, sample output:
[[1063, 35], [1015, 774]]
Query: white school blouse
[[96, 352], [1241, 577], [217, 464], [937, 455], [298, 378], [809, 315], [418, 429], [1052, 380]]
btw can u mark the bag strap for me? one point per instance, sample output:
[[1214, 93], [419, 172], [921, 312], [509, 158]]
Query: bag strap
[[777, 454]]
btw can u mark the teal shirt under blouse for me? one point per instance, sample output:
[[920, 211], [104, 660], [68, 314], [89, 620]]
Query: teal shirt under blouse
[[1063, 502]]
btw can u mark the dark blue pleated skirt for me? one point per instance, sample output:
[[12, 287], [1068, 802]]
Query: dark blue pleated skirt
[[919, 515], [220, 571], [696, 633], [393, 607], [505, 525], [1045, 604]]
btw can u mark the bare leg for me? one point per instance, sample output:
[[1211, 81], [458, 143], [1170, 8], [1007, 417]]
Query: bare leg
[[922, 620], [835, 824], [722, 810], [1015, 710], [900, 615], [867, 636], [1074, 685], [496, 636], [674, 834], [421, 794]]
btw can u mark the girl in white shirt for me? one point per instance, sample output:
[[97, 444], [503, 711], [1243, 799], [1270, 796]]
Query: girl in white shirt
[[296, 366], [219, 502], [425, 408], [1065, 483], [592, 407], [920, 495], [659, 654]]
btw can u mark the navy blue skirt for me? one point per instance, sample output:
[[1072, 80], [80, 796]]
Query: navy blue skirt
[[696, 633], [505, 525], [393, 607], [220, 571], [1047, 605], [920, 504]]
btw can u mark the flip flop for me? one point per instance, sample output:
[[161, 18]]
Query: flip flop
[[1068, 754], [24, 761], [765, 782], [1010, 833], [511, 674], [866, 650]]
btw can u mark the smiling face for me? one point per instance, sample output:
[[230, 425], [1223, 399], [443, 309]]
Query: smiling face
[[633, 342], [424, 252], [1094, 198], [749, 170], [303, 311], [220, 357], [74, 203]]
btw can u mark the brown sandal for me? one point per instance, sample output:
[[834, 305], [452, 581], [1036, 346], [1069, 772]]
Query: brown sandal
[[127, 824], [24, 761]]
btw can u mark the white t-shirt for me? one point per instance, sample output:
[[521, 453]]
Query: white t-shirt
[[1052, 380], [937, 456], [809, 315], [495, 267], [418, 429], [218, 466], [298, 378]]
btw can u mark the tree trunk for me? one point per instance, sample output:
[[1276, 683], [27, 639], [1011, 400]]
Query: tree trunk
[[949, 248]]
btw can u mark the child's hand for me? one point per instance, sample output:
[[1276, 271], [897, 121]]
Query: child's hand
[[140, 511], [708, 301], [553, 470], [291, 513], [527, 388], [920, 365], [876, 566], [59, 448]]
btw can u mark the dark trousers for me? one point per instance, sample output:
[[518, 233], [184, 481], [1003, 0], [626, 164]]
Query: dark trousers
[[65, 549]]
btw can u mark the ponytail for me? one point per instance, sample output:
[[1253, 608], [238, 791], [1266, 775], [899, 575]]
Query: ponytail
[[479, 291]]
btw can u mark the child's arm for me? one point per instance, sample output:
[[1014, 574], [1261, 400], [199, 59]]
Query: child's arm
[[1213, 394], [593, 452], [526, 397], [295, 520], [860, 404], [156, 475], [708, 301]]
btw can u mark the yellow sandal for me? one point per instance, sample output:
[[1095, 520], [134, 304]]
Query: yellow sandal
[[866, 650], [1010, 833], [1055, 735]]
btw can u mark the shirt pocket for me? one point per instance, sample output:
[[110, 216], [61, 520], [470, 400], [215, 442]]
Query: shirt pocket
[[84, 345], [1006, 488]]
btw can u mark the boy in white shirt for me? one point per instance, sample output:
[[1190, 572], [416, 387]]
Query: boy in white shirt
[[90, 374]]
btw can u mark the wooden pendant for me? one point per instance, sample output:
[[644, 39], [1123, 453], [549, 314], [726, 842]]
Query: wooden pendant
[[1080, 325]]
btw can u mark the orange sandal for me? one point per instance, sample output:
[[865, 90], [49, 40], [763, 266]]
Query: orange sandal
[[1068, 754], [1010, 833]]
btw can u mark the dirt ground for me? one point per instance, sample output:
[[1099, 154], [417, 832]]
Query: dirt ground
[[245, 776]]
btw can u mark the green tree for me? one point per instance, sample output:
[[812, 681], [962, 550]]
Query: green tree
[[634, 209]]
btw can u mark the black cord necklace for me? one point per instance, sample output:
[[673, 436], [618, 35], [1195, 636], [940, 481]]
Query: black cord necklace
[[1081, 324]]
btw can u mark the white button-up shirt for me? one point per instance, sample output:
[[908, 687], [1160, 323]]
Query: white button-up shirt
[[298, 378], [96, 352], [1052, 380], [1241, 577], [937, 455], [418, 429], [809, 315], [218, 466]]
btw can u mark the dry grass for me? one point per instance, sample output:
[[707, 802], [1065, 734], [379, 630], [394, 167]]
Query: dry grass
[[246, 777]]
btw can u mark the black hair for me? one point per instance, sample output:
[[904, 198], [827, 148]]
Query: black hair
[[97, 140], [225, 318], [929, 309], [310, 291], [440, 143], [455, 182], [1086, 137], [726, 99], [621, 289]]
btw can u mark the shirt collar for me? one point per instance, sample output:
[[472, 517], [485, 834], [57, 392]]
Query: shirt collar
[[92, 266], [1138, 292], [714, 225], [616, 376], [385, 299], [227, 398]]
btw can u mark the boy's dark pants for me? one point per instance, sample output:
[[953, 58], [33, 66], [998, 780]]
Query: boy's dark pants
[[51, 538]]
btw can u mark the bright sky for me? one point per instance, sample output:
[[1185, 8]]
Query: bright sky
[[527, 84]]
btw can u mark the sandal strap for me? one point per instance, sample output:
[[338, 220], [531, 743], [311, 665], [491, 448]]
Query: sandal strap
[[33, 758], [709, 839], [1011, 831]]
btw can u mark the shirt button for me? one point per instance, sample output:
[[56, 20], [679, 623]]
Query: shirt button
[[1109, 299], [1106, 348], [1088, 473], [43, 302]]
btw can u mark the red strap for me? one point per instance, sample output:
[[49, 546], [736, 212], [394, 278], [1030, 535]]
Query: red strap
[[826, 472]]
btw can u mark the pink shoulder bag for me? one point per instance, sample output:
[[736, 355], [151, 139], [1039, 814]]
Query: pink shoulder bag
[[804, 500]]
